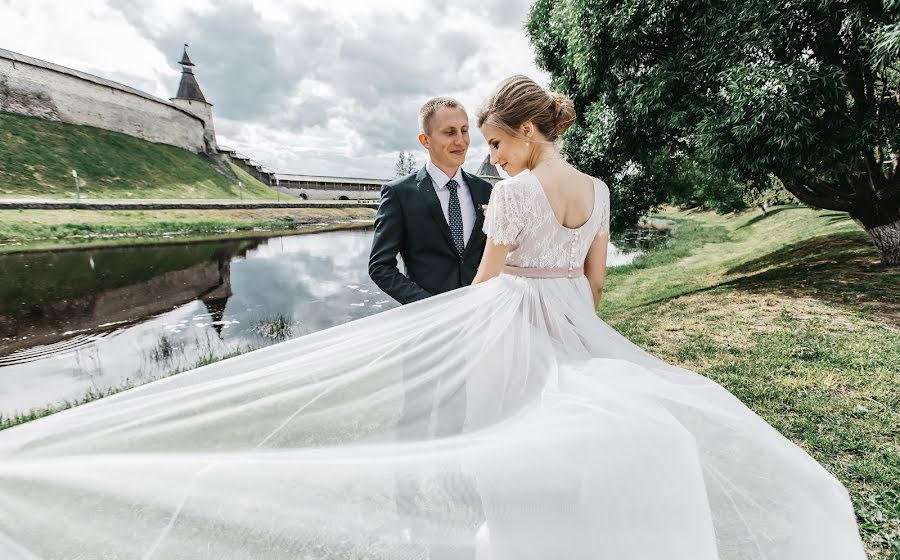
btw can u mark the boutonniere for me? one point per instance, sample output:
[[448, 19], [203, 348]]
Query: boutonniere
[[484, 208]]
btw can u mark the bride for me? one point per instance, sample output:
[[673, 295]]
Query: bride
[[576, 443]]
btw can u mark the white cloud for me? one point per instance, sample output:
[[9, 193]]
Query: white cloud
[[301, 86]]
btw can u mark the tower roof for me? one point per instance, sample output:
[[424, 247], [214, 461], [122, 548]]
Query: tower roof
[[185, 59], [488, 169], [188, 88]]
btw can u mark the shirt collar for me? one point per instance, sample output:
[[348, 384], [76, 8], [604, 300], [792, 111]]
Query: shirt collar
[[439, 178]]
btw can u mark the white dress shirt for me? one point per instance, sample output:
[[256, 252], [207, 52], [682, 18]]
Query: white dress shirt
[[439, 180]]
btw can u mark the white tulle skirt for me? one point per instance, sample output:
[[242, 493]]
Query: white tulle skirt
[[503, 421]]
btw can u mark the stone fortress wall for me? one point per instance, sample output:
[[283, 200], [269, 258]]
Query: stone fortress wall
[[37, 88]]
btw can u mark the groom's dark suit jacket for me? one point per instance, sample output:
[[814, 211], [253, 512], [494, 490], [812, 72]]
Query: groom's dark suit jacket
[[410, 222]]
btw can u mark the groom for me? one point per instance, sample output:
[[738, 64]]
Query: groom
[[432, 218]]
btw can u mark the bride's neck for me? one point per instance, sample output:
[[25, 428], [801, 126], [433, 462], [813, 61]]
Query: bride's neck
[[548, 157]]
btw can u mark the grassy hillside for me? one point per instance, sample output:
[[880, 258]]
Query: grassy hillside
[[793, 314], [38, 156]]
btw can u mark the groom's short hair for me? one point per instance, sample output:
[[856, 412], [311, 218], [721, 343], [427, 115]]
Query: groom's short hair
[[430, 108]]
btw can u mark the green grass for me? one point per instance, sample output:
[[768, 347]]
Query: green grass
[[276, 327], [45, 229], [253, 188], [38, 157], [135, 223], [792, 313]]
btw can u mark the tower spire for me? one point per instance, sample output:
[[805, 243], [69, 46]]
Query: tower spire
[[185, 59], [192, 100], [188, 88]]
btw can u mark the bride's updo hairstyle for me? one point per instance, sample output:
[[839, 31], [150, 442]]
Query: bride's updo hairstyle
[[519, 99]]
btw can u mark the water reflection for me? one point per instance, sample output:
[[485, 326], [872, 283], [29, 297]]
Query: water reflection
[[94, 319], [77, 321], [626, 246], [641, 240]]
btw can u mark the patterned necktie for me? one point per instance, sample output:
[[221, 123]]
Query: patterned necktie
[[455, 217]]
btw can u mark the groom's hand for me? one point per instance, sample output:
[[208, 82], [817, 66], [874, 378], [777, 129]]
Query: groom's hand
[[388, 241]]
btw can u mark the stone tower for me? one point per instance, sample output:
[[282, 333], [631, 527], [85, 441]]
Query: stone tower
[[190, 98], [488, 171]]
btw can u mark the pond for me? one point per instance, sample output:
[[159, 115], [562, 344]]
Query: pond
[[89, 320]]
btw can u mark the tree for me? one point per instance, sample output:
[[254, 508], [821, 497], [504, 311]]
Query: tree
[[709, 188], [713, 188], [406, 164], [803, 91]]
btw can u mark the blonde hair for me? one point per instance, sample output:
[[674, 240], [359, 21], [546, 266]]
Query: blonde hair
[[519, 99], [430, 108]]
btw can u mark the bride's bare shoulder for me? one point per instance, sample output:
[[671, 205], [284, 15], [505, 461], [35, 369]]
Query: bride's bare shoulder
[[584, 177], [599, 181], [515, 185]]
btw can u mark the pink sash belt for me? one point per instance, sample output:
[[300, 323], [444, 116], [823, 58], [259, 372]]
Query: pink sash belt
[[543, 272]]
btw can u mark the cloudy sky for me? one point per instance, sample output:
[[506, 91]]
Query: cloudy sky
[[302, 86]]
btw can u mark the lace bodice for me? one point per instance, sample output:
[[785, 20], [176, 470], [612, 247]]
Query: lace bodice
[[520, 215]]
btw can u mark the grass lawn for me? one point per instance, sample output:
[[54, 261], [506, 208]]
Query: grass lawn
[[38, 157], [793, 314], [43, 229]]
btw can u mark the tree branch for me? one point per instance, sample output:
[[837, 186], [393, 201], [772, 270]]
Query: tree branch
[[876, 176], [815, 197], [879, 113], [825, 203], [889, 202]]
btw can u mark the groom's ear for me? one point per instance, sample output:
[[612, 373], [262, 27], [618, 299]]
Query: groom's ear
[[423, 139]]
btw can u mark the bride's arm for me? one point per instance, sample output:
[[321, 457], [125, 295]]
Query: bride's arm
[[492, 261], [595, 266]]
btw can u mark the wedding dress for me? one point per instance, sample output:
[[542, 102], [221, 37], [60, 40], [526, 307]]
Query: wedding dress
[[505, 414]]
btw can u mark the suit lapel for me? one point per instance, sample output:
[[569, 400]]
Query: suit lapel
[[430, 198], [480, 195]]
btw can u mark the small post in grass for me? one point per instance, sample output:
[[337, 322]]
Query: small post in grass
[[241, 188], [77, 188]]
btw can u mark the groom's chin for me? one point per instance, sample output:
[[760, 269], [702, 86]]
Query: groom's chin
[[458, 159]]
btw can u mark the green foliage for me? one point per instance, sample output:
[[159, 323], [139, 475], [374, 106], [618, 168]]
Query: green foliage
[[773, 194], [807, 91], [701, 186]]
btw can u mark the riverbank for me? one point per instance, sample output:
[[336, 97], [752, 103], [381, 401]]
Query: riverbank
[[792, 313], [33, 230]]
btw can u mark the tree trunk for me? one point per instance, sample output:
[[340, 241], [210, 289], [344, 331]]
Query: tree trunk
[[865, 207], [887, 239]]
